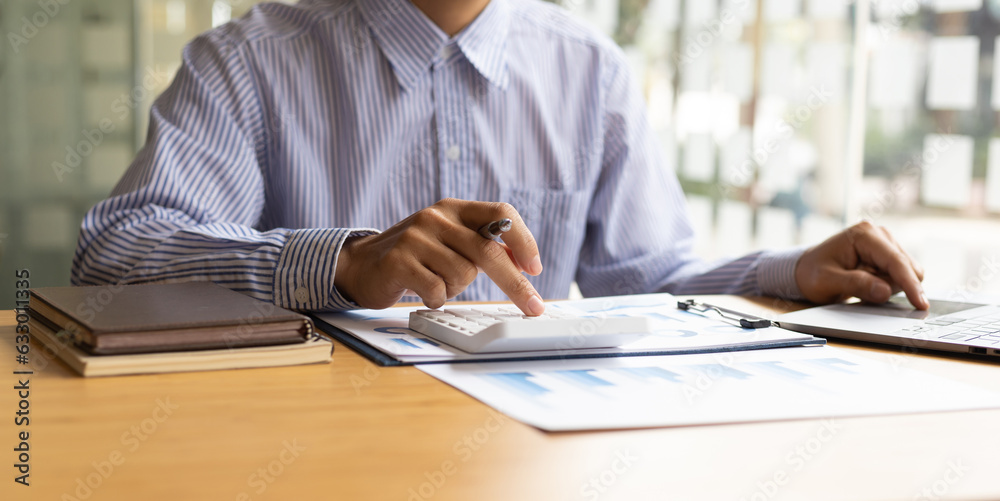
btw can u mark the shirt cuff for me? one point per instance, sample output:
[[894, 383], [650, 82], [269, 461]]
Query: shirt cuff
[[304, 276], [776, 273]]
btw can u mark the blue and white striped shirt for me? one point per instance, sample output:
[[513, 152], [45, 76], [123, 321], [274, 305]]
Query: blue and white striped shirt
[[288, 130]]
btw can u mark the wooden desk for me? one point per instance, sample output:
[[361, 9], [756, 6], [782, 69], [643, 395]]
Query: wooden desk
[[349, 430]]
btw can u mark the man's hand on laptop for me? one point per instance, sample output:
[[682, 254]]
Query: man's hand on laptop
[[863, 261], [436, 253]]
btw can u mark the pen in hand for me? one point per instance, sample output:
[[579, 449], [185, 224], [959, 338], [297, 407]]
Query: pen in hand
[[493, 230]]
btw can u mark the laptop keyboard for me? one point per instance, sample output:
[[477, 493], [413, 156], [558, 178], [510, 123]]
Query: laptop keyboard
[[979, 331]]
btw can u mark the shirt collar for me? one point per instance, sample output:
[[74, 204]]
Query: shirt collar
[[484, 42], [410, 40]]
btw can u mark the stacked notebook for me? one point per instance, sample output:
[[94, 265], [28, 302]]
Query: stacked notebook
[[152, 328]]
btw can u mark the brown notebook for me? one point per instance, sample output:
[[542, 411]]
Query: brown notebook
[[150, 318], [313, 351]]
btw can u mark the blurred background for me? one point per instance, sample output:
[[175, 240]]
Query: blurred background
[[785, 119]]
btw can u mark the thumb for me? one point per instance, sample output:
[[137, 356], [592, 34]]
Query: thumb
[[864, 285]]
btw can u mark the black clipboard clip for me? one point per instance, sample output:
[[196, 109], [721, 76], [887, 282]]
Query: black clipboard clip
[[736, 317]]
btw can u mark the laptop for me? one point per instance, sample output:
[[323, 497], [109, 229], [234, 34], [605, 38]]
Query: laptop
[[947, 326]]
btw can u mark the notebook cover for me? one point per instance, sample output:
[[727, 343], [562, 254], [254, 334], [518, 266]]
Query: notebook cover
[[118, 311]]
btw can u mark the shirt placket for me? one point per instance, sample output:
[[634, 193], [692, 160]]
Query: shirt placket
[[447, 120]]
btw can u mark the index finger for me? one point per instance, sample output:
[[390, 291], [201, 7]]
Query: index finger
[[875, 249], [519, 239], [917, 268], [492, 259]]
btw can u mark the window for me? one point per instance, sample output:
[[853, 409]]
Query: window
[[76, 84], [787, 119]]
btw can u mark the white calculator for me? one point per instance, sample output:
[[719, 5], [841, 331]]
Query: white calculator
[[492, 329]]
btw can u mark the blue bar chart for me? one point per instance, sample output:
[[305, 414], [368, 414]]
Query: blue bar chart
[[676, 390], [517, 382], [596, 381]]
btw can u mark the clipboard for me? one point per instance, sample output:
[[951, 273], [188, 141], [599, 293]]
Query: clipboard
[[383, 337]]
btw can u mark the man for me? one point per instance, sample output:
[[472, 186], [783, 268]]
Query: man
[[288, 136]]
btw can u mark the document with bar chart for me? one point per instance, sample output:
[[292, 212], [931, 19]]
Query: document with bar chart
[[384, 335], [730, 387]]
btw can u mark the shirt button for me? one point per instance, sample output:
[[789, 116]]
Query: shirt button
[[302, 295], [453, 153]]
